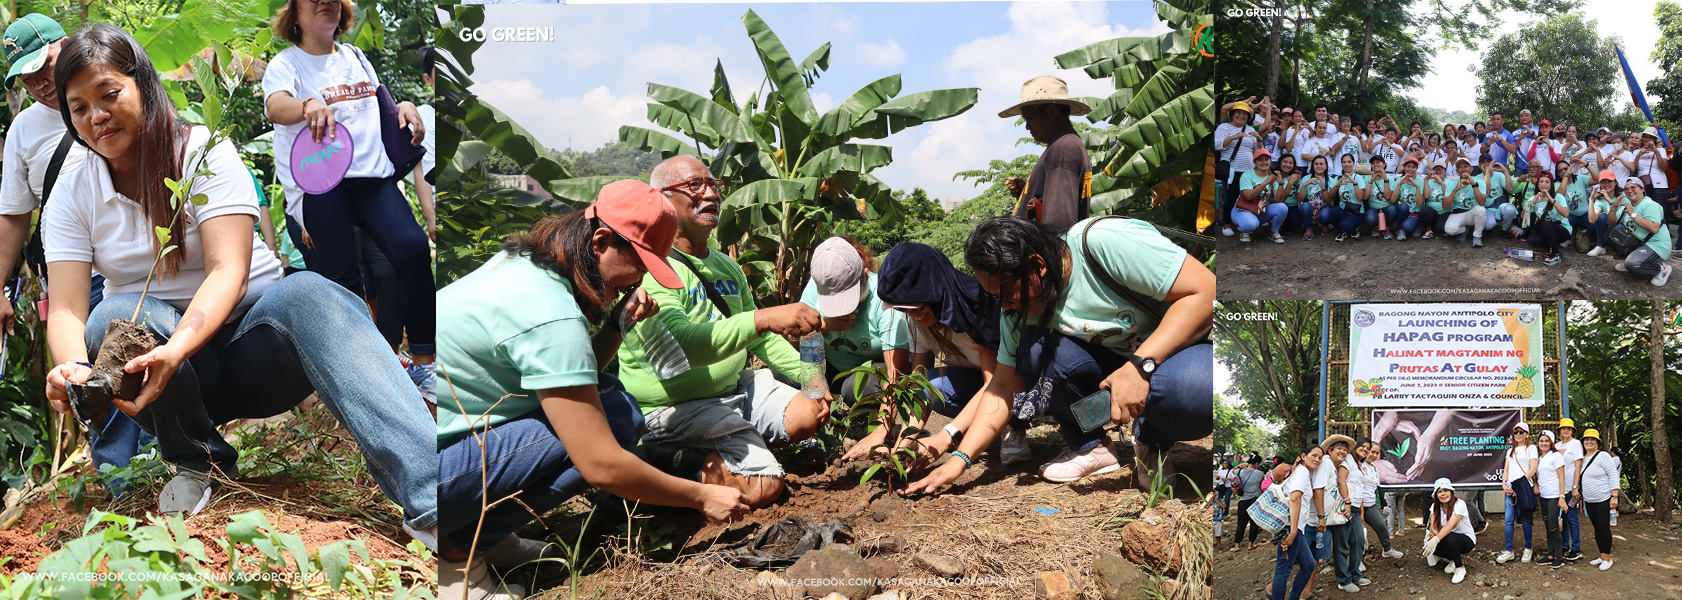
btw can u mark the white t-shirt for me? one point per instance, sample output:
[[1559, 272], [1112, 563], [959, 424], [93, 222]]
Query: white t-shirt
[[1547, 476], [1301, 481], [345, 82], [1357, 480], [1518, 460], [30, 143], [88, 221], [1223, 476], [1325, 477], [1464, 527], [924, 340], [430, 142], [1300, 137], [1619, 168], [1653, 165], [1368, 494]]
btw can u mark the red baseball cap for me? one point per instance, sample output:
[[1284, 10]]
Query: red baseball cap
[[640, 213]]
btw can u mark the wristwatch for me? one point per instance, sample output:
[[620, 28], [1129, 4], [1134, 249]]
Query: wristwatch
[[1146, 365], [954, 433]]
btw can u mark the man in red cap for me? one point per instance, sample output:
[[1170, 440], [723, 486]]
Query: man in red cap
[[717, 422]]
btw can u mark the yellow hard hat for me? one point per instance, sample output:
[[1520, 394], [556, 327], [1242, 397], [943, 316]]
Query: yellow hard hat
[[1567, 422], [1243, 106], [1592, 433]]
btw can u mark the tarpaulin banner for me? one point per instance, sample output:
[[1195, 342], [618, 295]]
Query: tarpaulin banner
[[1453, 355], [1418, 446]]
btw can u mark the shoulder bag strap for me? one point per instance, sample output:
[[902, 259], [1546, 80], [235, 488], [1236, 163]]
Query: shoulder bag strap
[[55, 165], [705, 285], [34, 253], [1103, 275]]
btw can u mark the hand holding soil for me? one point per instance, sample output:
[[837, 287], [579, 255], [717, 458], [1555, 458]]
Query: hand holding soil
[[722, 503], [936, 479], [58, 381], [159, 365]]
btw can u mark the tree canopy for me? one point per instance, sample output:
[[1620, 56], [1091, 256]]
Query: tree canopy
[[1559, 68]]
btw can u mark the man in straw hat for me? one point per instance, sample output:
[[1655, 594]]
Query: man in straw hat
[[1059, 189]]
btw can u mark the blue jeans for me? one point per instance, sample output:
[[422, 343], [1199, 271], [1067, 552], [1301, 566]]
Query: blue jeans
[[522, 455], [1394, 215], [1181, 403], [1298, 555], [1573, 534], [379, 210], [304, 335], [1512, 514], [120, 438], [958, 385], [1345, 566], [1245, 221], [1598, 226], [1277, 212]]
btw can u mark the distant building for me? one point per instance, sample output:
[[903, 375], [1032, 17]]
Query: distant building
[[951, 203], [522, 182]]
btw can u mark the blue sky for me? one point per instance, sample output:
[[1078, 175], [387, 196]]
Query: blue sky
[[593, 78]]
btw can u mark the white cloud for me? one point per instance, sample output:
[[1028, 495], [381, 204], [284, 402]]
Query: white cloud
[[880, 55], [594, 117], [824, 102]]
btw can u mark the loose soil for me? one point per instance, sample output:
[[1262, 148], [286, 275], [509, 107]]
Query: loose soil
[[985, 520], [321, 510], [1374, 269], [125, 340], [1646, 564]]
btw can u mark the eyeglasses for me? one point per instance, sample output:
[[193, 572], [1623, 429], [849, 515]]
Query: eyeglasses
[[693, 187]]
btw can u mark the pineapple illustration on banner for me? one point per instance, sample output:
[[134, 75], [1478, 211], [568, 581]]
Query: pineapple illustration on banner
[[1446, 354]]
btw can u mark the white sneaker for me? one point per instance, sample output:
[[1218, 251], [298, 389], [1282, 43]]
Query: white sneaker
[[1431, 561], [1664, 275], [1070, 466], [1459, 575], [514, 551], [1401, 235], [1620, 267], [1278, 239], [1597, 251], [1349, 587], [1363, 570], [1363, 582], [1450, 568], [1244, 237], [1226, 231], [428, 536], [1013, 447], [1393, 553], [476, 584], [1595, 562], [1505, 556], [1526, 557], [1605, 565]]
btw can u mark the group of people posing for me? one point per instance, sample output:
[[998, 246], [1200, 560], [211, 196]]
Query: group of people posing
[[1332, 490], [1334, 176], [559, 353]]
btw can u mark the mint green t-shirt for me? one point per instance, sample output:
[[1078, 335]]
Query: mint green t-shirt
[[1310, 189], [875, 330], [1494, 185], [506, 330], [1651, 210], [717, 347], [1577, 193], [1250, 179], [1290, 192], [1467, 197], [1348, 193], [1378, 195], [1134, 254], [1436, 195], [1408, 192], [1545, 210]]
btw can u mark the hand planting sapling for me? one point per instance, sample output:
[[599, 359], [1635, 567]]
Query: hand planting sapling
[[907, 396]]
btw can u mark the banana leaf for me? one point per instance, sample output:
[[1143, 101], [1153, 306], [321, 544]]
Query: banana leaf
[[788, 77]]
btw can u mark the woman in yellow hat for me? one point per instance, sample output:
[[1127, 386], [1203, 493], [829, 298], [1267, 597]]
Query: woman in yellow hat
[[1599, 490]]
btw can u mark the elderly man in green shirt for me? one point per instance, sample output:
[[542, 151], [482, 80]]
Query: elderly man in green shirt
[[717, 422]]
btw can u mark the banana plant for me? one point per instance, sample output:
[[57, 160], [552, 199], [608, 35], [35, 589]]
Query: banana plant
[[794, 173], [1162, 114]]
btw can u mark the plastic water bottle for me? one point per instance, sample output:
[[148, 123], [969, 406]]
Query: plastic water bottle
[[661, 354], [1614, 518], [812, 362], [1521, 254], [1387, 515]]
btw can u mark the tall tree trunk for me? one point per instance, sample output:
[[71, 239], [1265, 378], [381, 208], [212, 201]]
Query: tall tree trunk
[[1274, 37], [1296, 60], [1661, 442], [1646, 484], [1365, 64]]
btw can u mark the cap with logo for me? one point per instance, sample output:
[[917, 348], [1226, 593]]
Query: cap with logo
[[26, 44], [641, 214]]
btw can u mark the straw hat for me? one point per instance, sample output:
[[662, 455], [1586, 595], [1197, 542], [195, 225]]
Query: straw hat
[[1046, 89]]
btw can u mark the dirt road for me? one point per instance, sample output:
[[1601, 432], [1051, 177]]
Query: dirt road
[[1416, 269], [1647, 563]]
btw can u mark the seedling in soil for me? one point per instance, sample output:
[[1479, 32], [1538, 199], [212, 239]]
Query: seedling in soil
[[128, 339], [907, 396]]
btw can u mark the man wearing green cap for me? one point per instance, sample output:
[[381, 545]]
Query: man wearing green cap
[[31, 47]]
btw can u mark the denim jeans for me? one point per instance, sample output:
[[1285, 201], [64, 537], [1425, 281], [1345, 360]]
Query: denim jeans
[[120, 438], [1573, 533], [1244, 220], [1298, 555], [1343, 540], [378, 209], [959, 385], [521, 455], [1394, 215], [304, 335], [1181, 403], [1512, 514], [1598, 226]]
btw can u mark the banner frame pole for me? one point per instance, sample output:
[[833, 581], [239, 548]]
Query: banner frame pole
[[1559, 350], [1325, 352]]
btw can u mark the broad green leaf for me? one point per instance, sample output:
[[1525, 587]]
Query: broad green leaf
[[199, 200], [726, 124], [468, 154], [817, 61], [162, 233], [1097, 51], [721, 88], [774, 191], [335, 561], [682, 122], [1160, 89], [871, 472], [172, 39], [861, 158], [787, 77], [649, 140], [212, 112], [494, 127], [578, 192], [912, 110], [460, 18]]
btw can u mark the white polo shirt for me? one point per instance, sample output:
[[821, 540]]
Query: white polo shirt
[[30, 144], [89, 221]]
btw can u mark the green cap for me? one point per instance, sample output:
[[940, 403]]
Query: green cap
[[26, 44]]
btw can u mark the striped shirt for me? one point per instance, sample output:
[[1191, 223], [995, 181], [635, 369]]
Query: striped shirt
[[1599, 477]]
